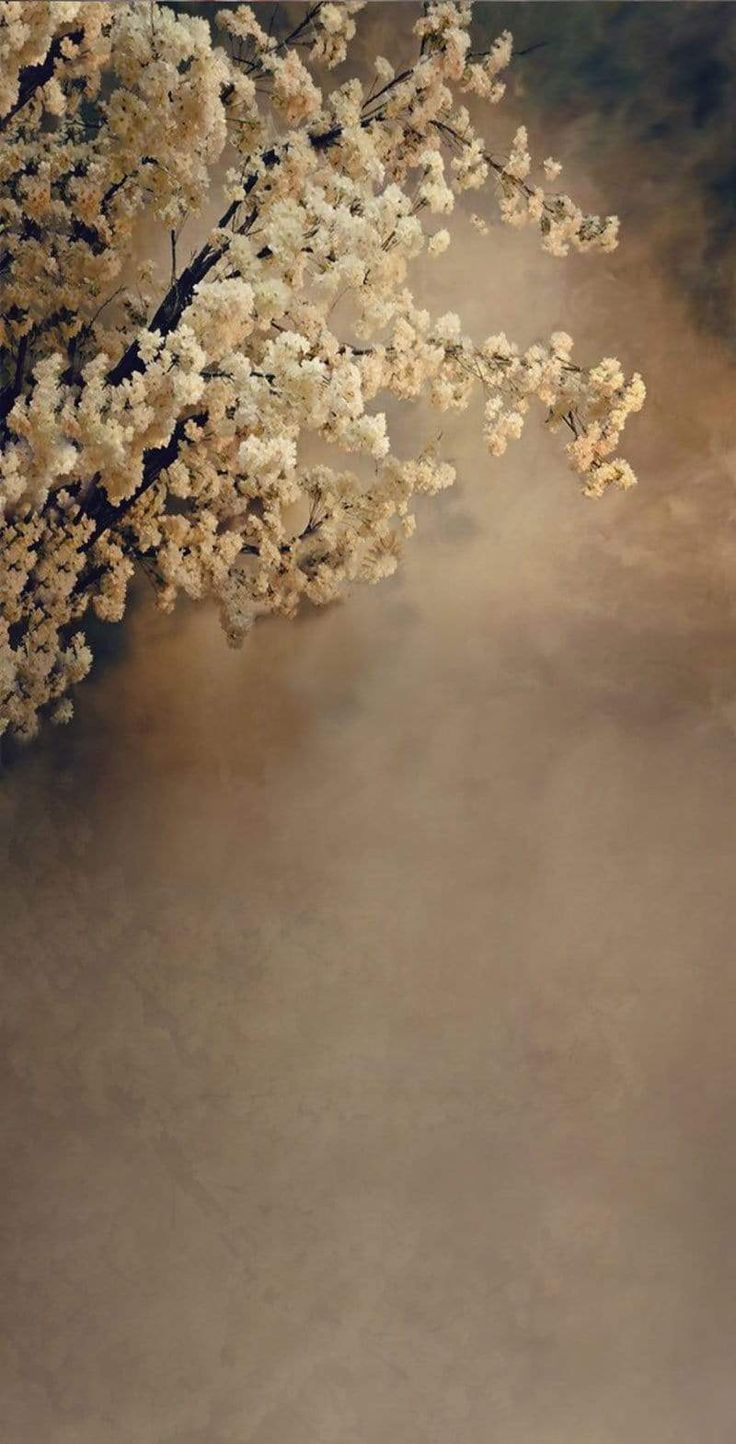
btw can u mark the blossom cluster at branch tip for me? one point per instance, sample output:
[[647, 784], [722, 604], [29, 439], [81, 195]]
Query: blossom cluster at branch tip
[[166, 423]]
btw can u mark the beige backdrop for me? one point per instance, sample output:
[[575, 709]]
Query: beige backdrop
[[369, 993]]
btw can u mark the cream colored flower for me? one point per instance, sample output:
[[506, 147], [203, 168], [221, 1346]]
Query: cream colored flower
[[164, 426]]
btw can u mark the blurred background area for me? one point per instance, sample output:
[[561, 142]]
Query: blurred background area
[[661, 80], [368, 1002]]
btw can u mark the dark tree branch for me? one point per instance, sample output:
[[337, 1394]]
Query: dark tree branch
[[34, 76], [104, 512]]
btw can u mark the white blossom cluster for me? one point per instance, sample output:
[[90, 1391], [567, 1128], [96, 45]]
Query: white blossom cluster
[[165, 427]]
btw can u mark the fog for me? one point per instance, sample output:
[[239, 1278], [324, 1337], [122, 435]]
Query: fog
[[369, 1001]]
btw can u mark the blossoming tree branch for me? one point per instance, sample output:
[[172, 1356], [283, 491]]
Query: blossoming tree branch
[[159, 421]]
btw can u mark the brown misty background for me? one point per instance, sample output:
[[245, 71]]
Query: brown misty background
[[369, 994]]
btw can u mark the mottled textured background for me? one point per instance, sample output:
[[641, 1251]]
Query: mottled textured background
[[369, 994]]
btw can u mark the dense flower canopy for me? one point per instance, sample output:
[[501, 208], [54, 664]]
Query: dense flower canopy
[[163, 421]]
